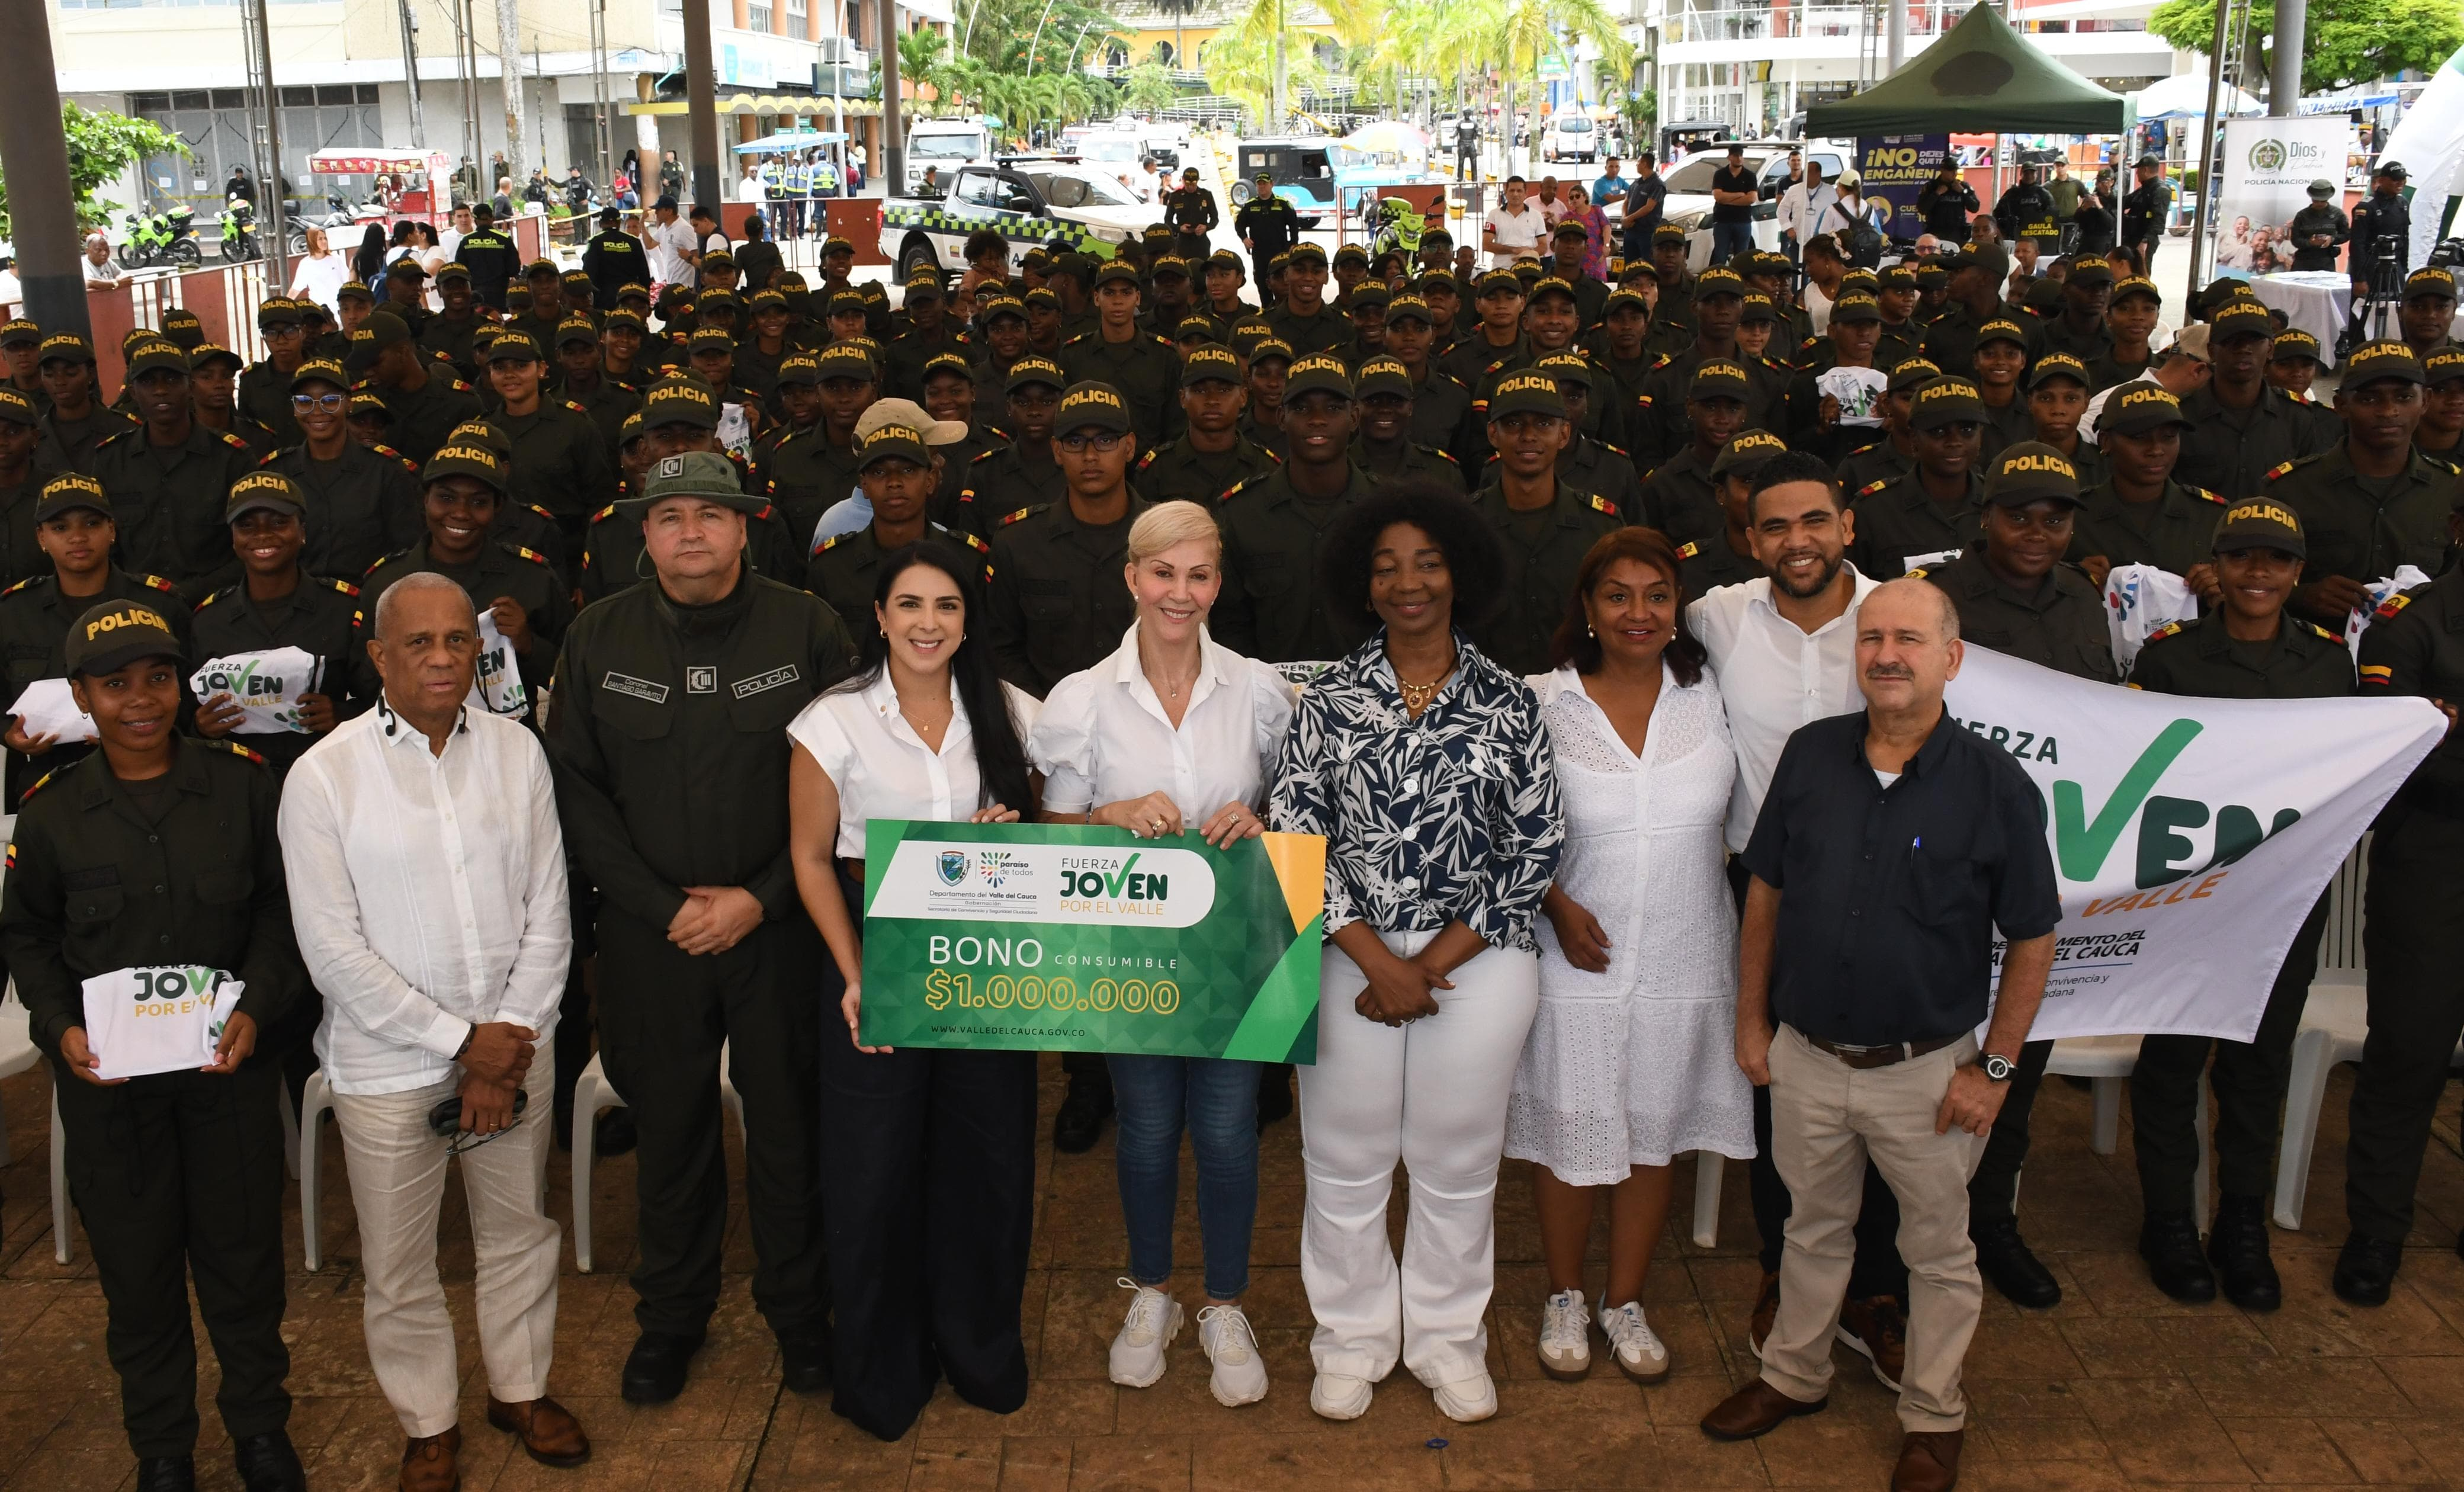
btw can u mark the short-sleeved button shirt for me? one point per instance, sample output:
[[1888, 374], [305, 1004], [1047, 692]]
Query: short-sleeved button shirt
[[1889, 895]]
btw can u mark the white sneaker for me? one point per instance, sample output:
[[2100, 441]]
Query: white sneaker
[[1641, 1354], [1154, 1320], [1336, 1396], [1466, 1401], [1239, 1371], [1565, 1337]]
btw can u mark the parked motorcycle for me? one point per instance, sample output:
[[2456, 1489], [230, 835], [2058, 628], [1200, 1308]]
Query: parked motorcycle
[[340, 222], [150, 238], [239, 232]]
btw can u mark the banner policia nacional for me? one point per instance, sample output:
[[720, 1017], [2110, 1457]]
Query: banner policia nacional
[[2190, 837], [1073, 937]]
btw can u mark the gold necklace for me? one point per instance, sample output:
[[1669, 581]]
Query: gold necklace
[[1417, 696]]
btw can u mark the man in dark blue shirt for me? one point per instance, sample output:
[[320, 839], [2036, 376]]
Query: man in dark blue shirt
[[1891, 844]]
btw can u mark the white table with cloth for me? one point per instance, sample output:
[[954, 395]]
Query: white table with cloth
[[2316, 301]]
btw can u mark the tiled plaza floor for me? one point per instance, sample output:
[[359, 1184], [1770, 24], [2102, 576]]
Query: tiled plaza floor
[[2118, 1387]]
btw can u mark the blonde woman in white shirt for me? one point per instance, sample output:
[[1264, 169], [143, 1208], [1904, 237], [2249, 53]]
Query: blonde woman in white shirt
[[928, 1156], [1173, 735]]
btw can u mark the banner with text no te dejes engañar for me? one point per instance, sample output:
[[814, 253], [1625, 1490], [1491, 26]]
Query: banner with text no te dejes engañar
[[1074, 937]]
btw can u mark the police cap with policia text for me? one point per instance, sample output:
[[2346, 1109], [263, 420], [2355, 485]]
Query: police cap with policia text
[[2032, 471], [2260, 523], [117, 633]]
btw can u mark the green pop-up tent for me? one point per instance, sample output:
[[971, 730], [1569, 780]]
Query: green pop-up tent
[[1978, 77]]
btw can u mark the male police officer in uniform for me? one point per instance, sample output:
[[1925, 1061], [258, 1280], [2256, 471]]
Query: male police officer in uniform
[[2319, 229], [2247, 648], [1728, 557], [168, 477], [1137, 364], [2015, 596], [1212, 456], [2138, 514], [1544, 527], [1932, 510], [158, 853], [276, 603], [1272, 605], [897, 469], [670, 744], [1268, 225], [612, 259]]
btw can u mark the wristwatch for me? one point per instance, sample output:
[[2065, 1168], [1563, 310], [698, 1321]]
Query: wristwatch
[[1997, 1067]]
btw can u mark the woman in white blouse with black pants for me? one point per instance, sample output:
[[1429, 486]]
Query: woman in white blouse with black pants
[[1175, 736], [928, 1157]]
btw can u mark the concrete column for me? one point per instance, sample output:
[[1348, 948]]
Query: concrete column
[[2284, 73]]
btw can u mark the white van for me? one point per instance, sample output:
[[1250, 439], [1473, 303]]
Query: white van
[[948, 143]]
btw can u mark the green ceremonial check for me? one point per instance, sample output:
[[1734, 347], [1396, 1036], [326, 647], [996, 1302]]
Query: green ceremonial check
[[1071, 937]]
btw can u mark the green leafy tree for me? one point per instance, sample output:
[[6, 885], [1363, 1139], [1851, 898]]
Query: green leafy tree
[[102, 146], [924, 66], [1516, 36], [2347, 41], [1149, 89]]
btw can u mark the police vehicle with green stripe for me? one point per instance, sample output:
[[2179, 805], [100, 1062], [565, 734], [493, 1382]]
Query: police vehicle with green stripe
[[1034, 202]]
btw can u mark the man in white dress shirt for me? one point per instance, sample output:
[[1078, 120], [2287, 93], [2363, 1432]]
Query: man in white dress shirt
[[438, 932], [1784, 649]]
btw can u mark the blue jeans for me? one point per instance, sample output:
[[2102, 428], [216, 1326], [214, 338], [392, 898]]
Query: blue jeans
[[1728, 238], [1216, 1100]]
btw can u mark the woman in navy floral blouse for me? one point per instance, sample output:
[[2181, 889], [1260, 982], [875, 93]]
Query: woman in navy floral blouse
[[1425, 767]]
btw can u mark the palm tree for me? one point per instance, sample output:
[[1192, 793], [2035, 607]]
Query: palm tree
[[1516, 36], [1150, 89], [923, 62]]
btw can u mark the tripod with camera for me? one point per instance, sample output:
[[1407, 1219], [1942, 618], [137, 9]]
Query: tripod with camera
[[2374, 311]]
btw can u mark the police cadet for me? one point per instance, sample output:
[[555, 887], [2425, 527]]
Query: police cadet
[[365, 499], [1212, 456], [559, 461], [612, 259], [2371, 503], [2138, 514], [1303, 320], [1440, 402], [539, 319], [2057, 403], [2014, 595], [928, 334], [1681, 498], [1975, 298], [1168, 298], [21, 342], [265, 388], [168, 478], [2427, 314], [21, 488], [1814, 418], [949, 394], [462, 492], [1495, 337], [2240, 427], [1592, 463], [2246, 647], [1003, 319], [1007, 486], [1386, 447], [1659, 431], [1136, 364], [74, 422], [1267, 225], [1727, 557], [2080, 330], [1867, 467], [669, 746], [213, 395], [424, 402], [2413, 919], [155, 860], [1932, 512], [1544, 527], [1272, 604], [454, 331], [1054, 608], [583, 380], [489, 252], [806, 465], [898, 481], [1223, 274], [275, 602]]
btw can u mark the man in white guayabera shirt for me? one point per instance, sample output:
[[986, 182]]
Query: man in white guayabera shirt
[[438, 932]]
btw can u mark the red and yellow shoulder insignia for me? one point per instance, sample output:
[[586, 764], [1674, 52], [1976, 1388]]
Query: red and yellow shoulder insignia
[[1688, 550], [2168, 629], [2387, 608], [459, 387], [1872, 486], [159, 583], [976, 543], [231, 746], [1610, 444], [606, 512], [2377, 675], [834, 541], [2279, 470], [27, 797], [233, 441], [575, 408], [1028, 511], [1144, 461], [531, 555], [1600, 504], [2205, 495], [22, 584], [346, 587], [2324, 634]]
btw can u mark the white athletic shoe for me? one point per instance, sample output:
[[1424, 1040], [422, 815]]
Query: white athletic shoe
[[1336, 1396], [1239, 1371], [1641, 1354], [1565, 1337], [1154, 1320], [1468, 1400]]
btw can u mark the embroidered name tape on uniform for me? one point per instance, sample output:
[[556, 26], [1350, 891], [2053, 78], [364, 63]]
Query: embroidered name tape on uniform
[[639, 689], [760, 683]]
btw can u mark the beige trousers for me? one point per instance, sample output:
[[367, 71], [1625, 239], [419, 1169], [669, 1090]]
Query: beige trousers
[[398, 1168], [1827, 1117]]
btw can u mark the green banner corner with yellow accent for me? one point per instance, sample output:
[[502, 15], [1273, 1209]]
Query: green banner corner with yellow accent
[[1073, 937]]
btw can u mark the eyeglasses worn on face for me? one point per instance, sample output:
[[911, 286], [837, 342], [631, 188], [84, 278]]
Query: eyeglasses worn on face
[[1105, 441], [330, 403]]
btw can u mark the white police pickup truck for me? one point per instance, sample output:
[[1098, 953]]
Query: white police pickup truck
[[1034, 202]]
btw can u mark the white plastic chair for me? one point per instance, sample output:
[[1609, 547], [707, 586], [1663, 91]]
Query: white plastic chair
[[593, 1094], [1708, 1166]]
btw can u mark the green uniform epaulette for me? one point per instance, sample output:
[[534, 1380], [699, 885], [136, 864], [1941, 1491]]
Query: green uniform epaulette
[[976, 543], [575, 408], [2279, 469], [604, 512], [267, 459], [24, 797], [380, 562], [1688, 550], [983, 456], [459, 387], [231, 746], [1028, 511], [31, 579], [1448, 456], [1144, 461], [2385, 612], [233, 441], [345, 587], [1861, 450], [834, 541], [216, 597], [1644, 400], [541, 511], [2205, 495], [1076, 341], [1600, 504], [408, 465], [159, 583], [1666, 358], [1610, 444], [531, 555], [2324, 633], [1233, 491], [2168, 629], [1921, 571], [1872, 487]]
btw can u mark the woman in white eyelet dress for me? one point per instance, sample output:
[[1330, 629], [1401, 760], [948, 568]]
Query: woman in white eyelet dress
[[1625, 1069]]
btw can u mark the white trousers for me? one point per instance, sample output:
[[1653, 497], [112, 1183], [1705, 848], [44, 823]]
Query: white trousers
[[1432, 1095], [398, 1166]]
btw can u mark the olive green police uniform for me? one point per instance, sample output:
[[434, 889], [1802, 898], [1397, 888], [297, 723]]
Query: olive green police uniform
[[20, 557], [178, 1175], [1179, 469], [1707, 564], [845, 568], [1542, 553], [669, 745], [1271, 605], [1899, 524], [2248, 1078], [1057, 601], [2364, 528], [560, 460], [170, 512], [2413, 928], [1680, 501], [1144, 368]]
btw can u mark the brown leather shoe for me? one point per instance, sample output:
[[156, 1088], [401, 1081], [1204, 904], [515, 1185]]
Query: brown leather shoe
[[428, 1462], [549, 1434], [1766, 1311], [1754, 1409], [1876, 1328], [1928, 1461]]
